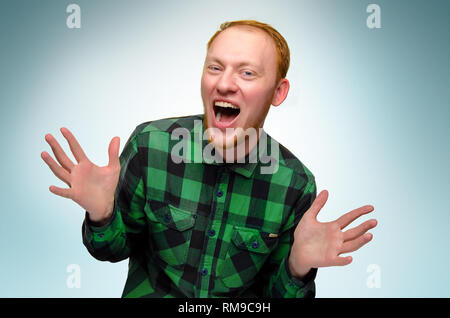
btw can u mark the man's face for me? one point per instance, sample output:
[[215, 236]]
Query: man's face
[[238, 80]]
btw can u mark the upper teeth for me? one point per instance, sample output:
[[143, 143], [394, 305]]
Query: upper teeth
[[226, 104]]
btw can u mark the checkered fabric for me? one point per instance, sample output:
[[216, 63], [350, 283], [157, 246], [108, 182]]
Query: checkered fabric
[[198, 228]]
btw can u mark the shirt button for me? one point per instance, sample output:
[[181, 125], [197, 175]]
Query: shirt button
[[219, 193], [255, 245], [204, 272], [212, 233]]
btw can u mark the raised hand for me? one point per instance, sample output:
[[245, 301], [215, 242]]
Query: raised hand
[[91, 186], [319, 244]]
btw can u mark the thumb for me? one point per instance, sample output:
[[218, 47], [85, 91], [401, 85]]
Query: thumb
[[318, 203], [113, 152]]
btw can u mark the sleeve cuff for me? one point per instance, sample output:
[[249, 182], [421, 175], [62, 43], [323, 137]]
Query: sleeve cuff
[[293, 285], [96, 228], [101, 233]]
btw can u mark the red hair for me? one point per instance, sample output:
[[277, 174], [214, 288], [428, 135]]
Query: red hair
[[281, 45]]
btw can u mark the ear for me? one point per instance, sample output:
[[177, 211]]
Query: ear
[[281, 92]]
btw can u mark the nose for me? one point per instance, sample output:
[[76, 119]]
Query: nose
[[226, 84]]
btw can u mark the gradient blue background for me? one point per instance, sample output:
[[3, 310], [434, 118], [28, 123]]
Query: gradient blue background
[[367, 113]]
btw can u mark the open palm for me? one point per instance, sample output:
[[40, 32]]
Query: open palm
[[91, 186], [320, 244]]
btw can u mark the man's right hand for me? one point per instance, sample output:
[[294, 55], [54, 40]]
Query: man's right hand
[[91, 186]]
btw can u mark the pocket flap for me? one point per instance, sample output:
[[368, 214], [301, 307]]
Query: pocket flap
[[175, 218], [253, 240]]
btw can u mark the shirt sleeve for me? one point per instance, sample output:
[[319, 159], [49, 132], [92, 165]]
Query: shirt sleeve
[[281, 283], [115, 240]]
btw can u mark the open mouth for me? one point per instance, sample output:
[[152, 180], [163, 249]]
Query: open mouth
[[225, 112]]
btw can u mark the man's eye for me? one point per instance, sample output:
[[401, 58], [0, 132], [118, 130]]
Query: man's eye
[[214, 68], [247, 73]]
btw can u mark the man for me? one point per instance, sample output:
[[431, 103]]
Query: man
[[217, 228]]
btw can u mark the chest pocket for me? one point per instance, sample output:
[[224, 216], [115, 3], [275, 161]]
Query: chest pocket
[[247, 253], [170, 234]]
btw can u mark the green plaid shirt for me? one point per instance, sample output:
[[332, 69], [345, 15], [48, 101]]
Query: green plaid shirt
[[201, 228]]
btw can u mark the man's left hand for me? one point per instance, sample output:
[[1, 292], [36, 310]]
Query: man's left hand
[[318, 244]]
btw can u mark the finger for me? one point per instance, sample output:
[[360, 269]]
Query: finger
[[113, 152], [74, 145], [318, 203], [58, 171], [356, 244], [342, 261], [359, 230], [60, 155], [65, 193], [349, 217]]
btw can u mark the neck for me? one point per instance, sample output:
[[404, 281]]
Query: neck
[[240, 150]]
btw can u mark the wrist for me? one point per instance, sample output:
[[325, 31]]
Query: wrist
[[100, 219], [99, 223], [297, 270]]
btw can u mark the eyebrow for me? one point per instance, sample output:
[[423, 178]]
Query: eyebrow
[[243, 63]]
